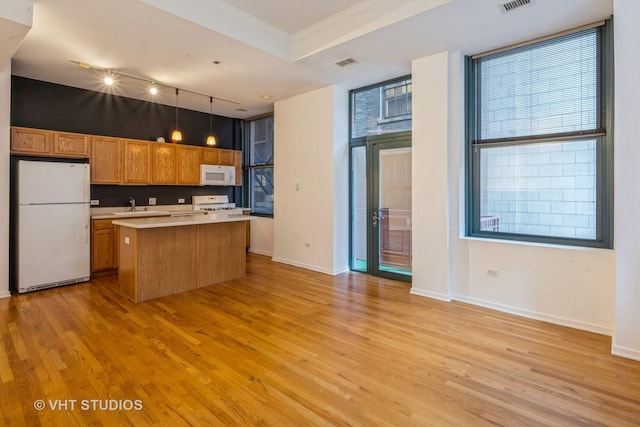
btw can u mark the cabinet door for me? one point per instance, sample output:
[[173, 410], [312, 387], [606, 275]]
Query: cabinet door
[[70, 145], [103, 252], [106, 160], [210, 156], [30, 141], [188, 165], [226, 157], [163, 164], [137, 161], [237, 162]]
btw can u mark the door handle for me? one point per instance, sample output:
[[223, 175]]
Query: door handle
[[374, 219]]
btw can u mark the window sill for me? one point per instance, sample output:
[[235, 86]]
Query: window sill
[[537, 244], [394, 119]]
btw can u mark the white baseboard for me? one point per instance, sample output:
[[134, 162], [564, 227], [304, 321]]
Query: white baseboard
[[308, 266], [576, 324], [261, 252], [5, 294], [628, 353], [429, 294]]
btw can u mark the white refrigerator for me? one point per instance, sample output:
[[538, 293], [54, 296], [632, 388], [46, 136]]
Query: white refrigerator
[[53, 224]]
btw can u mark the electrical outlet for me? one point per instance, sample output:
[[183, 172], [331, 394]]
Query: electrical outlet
[[180, 200], [493, 273], [126, 240], [152, 201], [95, 202]]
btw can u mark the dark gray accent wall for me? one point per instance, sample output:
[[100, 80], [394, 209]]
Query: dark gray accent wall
[[44, 105]]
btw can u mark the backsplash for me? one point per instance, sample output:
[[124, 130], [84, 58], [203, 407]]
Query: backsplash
[[118, 195]]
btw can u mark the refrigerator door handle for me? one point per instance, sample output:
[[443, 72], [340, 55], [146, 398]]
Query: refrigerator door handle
[[87, 183], [87, 221]]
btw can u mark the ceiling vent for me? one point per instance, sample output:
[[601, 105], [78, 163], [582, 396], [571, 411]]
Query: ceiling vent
[[345, 62], [512, 5]]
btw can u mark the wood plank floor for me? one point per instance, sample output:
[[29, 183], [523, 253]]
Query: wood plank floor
[[287, 346]]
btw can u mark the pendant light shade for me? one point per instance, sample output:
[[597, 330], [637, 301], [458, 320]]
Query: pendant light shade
[[211, 140], [176, 135]]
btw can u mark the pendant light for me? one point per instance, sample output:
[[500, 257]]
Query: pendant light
[[211, 140], [176, 135]]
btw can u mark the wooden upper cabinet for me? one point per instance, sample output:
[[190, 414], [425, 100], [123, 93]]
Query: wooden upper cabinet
[[106, 160], [30, 141], [210, 156], [225, 157], [188, 165], [237, 162], [70, 145], [164, 162], [126, 161], [137, 162]]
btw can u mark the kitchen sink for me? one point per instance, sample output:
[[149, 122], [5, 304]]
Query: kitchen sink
[[138, 213]]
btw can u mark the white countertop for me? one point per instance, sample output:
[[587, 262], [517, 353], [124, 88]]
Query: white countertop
[[160, 210], [175, 221]]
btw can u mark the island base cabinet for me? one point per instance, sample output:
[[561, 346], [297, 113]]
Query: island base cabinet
[[222, 252], [161, 261], [157, 262]]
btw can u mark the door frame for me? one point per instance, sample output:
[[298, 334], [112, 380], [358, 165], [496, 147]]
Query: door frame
[[373, 146]]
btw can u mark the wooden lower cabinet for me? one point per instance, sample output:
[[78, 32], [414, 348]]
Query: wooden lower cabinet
[[104, 250]]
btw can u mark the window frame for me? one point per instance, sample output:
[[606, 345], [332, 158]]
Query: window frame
[[384, 100], [380, 120], [249, 168], [603, 162]]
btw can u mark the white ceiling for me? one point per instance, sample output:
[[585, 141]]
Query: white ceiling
[[279, 48]]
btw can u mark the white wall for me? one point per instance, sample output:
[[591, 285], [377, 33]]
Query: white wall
[[310, 226], [261, 236], [437, 269], [5, 110], [16, 18], [568, 286], [626, 340]]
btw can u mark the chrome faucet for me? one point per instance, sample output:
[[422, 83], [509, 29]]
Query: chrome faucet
[[132, 202]]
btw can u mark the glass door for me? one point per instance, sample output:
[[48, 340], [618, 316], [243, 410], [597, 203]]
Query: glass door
[[381, 207]]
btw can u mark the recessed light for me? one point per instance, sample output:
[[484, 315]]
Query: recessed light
[[153, 90], [108, 80], [266, 97], [215, 61]]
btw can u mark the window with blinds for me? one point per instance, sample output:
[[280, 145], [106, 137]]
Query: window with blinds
[[539, 145]]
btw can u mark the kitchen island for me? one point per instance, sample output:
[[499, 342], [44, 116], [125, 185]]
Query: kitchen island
[[168, 255]]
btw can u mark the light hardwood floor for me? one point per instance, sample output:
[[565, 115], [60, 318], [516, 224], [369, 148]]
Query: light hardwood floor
[[287, 346]]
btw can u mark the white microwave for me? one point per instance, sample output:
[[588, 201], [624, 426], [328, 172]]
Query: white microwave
[[217, 175]]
